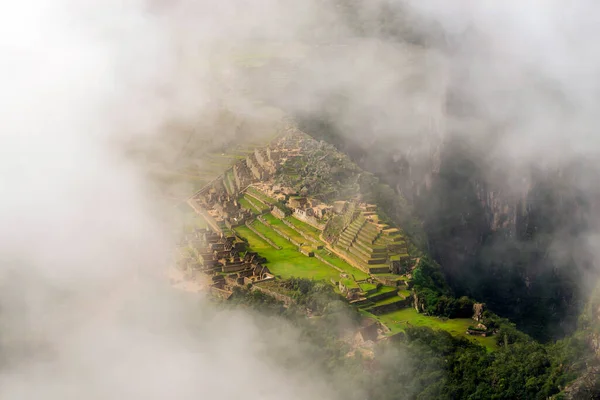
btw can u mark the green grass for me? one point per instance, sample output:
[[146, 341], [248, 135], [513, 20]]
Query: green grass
[[365, 286], [260, 195], [276, 222], [245, 204], [228, 181], [389, 300], [349, 283], [304, 227], [287, 262], [261, 207], [343, 265], [398, 320], [393, 277], [383, 289]]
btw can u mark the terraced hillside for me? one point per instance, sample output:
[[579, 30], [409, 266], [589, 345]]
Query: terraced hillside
[[370, 245], [356, 250]]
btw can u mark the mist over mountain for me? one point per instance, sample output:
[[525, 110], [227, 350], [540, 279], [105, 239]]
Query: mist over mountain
[[482, 117]]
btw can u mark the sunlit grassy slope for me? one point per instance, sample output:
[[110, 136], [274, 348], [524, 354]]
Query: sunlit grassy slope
[[398, 320]]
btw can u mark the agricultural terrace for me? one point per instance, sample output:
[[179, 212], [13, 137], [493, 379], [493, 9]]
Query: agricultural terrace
[[274, 239], [278, 224], [398, 320], [260, 196], [244, 203], [304, 228], [254, 205], [288, 261]]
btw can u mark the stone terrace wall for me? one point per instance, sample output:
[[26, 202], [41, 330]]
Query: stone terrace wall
[[263, 237], [252, 203], [312, 221], [304, 235], [242, 174], [280, 233], [283, 298], [386, 308]]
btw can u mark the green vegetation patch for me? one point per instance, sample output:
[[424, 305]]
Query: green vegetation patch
[[228, 180], [399, 320], [366, 286], [389, 300], [382, 289], [287, 262], [260, 195], [341, 264], [261, 207], [304, 227], [276, 222], [246, 204], [349, 283]]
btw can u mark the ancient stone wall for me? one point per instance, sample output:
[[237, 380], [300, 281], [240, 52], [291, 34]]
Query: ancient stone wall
[[263, 237], [261, 158], [304, 235], [285, 299], [242, 174], [312, 221], [224, 294], [251, 199], [280, 233], [278, 213], [386, 308], [258, 172]]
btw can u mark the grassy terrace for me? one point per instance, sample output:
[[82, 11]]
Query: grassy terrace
[[304, 227], [245, 204], [389, 300], [276, 222], [341, 264], [365, 286], [393, 277], [287, 262], [349, 283], [228, 180], [383, 289], [398, 320], [259, 195], [249, 200]]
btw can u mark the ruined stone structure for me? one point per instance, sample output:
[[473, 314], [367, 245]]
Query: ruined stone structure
[[478, 309], [214, 252], [223, 208], [371, 246], [242, 175], [309, 218]]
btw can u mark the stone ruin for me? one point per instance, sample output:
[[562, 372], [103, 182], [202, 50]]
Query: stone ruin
[[224, 208], [478, 309], [253, 271], [369, 244]]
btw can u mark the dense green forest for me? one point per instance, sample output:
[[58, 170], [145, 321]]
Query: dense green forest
[[422, 363]]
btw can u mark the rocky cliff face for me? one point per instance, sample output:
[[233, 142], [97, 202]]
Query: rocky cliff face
[[587, 385]]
